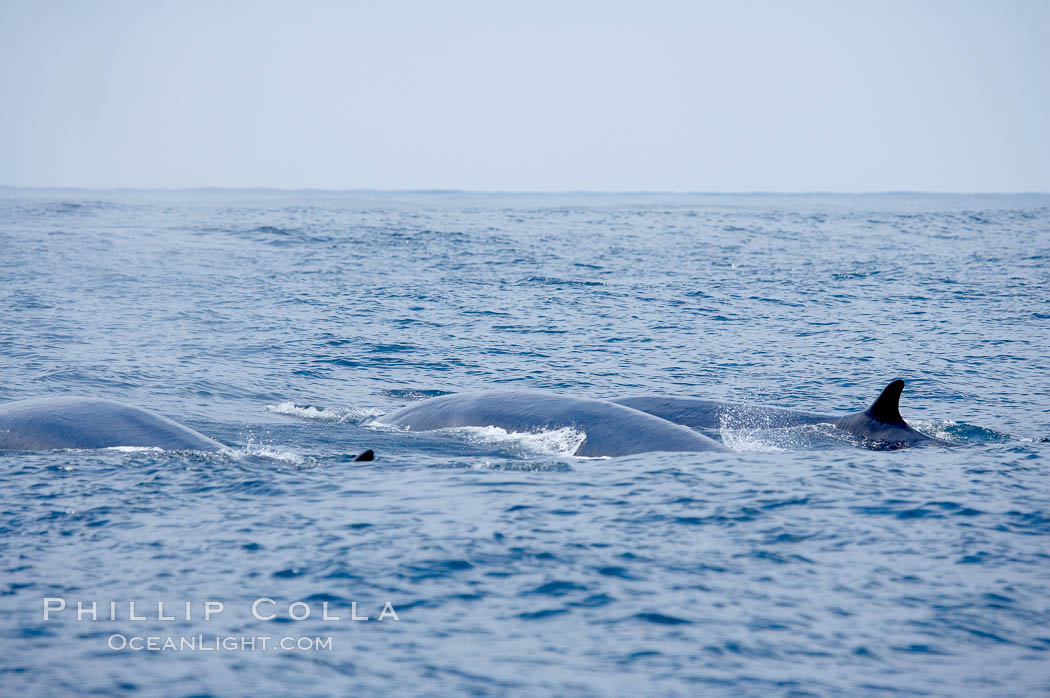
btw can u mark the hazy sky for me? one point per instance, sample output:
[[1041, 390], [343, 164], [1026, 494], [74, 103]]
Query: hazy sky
[[648, 95]]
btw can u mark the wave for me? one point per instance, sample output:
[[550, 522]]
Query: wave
[[410, 394], [958, 432]]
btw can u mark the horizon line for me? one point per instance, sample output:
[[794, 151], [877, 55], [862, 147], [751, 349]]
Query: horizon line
[[527, 192]]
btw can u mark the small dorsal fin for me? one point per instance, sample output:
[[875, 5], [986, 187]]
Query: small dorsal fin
[[367, 455], [886, 407]]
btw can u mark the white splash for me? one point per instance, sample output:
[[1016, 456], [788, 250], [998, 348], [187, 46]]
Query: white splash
[[135, 449], [284, 455], [252, 448], [942, 429], [324, 414], [740, 432], [376, 425], [748, 440], [558, 442]]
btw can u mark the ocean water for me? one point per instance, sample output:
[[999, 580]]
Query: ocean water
[[282, 323]]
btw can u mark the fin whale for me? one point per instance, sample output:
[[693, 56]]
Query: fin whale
[[611, 429], [45, 424], [879, 426]]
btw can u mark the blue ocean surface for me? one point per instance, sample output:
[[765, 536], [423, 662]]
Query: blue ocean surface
[[283, 323]]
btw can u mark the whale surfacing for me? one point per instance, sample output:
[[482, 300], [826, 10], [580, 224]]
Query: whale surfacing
[[48, 424], [611, 429], [879, 426], [45, 424]]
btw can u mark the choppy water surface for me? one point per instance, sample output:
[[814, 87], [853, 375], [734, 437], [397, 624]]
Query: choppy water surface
[[280, 323]]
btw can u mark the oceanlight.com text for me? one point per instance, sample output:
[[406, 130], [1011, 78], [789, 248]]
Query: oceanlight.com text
[[217, 643]]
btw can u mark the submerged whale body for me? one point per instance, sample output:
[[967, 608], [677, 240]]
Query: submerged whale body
[[879, 426], [46, 424], [611, 429]]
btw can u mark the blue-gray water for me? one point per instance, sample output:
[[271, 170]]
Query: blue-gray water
[[279, 323]]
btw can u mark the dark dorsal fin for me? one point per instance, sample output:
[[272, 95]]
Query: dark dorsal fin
[[367, 455], [886, 407]]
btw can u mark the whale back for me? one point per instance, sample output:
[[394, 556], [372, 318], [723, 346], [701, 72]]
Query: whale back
[[88, 423], [611, 429], [711, 414], [878, 426]]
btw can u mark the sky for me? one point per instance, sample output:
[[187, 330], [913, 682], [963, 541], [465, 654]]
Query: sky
[[530, 96]]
